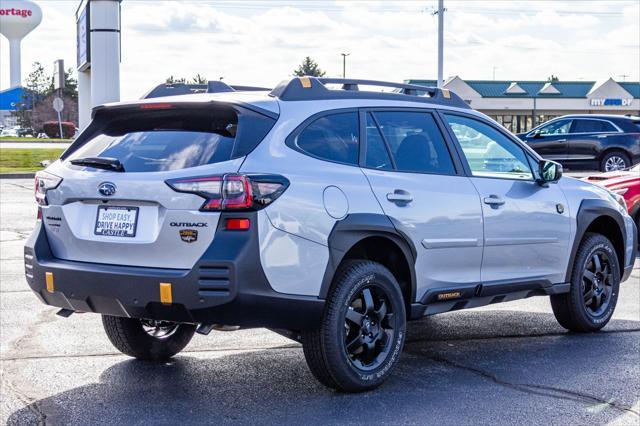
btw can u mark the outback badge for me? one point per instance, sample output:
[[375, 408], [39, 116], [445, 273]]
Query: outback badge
[[189, 235]]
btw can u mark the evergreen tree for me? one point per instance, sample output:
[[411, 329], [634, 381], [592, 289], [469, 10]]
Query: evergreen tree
[[309, 67], [199, 79]]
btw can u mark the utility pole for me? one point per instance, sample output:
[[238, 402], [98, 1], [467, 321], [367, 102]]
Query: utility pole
[[440, 41], [494, 72], [344, 64]]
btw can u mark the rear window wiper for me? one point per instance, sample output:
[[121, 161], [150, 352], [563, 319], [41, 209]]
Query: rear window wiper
[[100, 163]]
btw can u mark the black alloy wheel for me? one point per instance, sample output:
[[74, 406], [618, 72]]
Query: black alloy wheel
[[597, 283], [369, 324]]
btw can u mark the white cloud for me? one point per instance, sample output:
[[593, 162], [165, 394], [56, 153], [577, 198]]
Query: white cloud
[[261, 43]]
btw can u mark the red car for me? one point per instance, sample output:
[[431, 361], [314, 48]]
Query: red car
[[625, 183]]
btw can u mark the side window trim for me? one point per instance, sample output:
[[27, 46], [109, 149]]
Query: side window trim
[[459, 165], [290, 140], [384, 139], [468, 172]]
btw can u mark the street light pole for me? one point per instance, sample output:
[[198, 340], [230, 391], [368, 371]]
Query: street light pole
[[440, 41], [344, 64]]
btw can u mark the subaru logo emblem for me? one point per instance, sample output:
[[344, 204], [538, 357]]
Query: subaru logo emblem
[[107, 189]]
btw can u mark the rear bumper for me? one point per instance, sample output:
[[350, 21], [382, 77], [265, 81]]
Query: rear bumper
[[226, 286]]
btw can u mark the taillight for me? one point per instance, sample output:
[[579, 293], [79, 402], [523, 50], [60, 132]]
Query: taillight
[[45, 181], [234, 192]]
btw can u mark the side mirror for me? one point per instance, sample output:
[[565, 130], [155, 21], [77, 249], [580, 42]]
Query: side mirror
[[549, 171], [537, 134]]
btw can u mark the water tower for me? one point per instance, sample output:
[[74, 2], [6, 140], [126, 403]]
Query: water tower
[[17, 19]]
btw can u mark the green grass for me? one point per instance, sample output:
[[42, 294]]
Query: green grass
[[21, 160], [15, 139]]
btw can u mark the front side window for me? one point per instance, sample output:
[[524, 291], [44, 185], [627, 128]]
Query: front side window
[[333, 137], [415, 142], [489, 153], [559, 127]]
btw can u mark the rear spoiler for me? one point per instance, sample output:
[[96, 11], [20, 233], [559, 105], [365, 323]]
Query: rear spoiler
[[176, 89]]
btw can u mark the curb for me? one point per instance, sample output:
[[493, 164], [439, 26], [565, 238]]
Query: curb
[[17, 175]]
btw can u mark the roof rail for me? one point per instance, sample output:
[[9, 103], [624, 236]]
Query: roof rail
[[315, 88], [214, 86]]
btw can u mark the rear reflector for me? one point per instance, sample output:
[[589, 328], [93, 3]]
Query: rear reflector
[[165, 293], [48, 278], [238, 224]]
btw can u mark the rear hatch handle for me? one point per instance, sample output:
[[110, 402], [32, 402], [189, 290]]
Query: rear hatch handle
[[106, 163]]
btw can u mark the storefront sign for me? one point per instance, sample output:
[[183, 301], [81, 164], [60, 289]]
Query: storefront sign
[[611, 102], [83, 48]]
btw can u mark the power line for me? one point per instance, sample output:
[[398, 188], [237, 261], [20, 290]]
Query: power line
[[311, 6]]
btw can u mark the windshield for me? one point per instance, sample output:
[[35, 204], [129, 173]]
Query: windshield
[[173, 139]]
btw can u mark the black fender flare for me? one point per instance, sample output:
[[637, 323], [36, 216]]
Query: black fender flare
[[355, 227], [589, 211]]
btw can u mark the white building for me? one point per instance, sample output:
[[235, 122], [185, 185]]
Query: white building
[[521, 105]]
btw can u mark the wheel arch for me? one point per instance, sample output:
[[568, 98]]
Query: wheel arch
[[614, 148], [372, 237], [598, 216]]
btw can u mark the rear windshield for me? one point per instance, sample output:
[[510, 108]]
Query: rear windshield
[[174, 138]]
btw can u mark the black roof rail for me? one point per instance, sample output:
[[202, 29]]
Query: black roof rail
[[308, 88], [215, 86]]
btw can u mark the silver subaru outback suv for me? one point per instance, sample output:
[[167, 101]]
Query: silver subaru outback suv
[[326, 212]]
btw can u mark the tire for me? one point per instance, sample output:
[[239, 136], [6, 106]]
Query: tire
[[365, 307], [612, 158], [582, 310], [129, 336]]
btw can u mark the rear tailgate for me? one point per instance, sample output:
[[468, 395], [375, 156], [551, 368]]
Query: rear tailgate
[[133, 217]]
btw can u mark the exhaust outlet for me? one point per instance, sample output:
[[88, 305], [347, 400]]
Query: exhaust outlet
[[205, 329]]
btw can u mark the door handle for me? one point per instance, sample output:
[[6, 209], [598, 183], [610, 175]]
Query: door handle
[[561, 140], [400, 197], [493, 200]]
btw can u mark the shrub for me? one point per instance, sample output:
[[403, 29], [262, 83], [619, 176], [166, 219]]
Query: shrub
[[52, 129]]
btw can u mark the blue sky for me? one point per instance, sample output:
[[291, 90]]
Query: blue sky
[[262, 42]]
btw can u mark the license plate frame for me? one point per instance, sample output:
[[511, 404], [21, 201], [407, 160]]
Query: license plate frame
[[101, 231]]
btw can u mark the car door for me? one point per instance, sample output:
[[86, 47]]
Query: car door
[[423, 190], [550, 140], [526, 225], [588, 137]]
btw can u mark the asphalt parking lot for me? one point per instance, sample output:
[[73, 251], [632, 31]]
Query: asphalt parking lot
[[504, 364]]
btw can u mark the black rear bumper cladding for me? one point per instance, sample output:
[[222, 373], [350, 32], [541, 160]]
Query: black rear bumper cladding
[[226, 286]]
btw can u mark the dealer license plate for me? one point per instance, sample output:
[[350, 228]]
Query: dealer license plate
[[115, 221]]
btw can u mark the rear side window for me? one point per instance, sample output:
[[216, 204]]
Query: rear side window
[[333, 137], [415, 142], [592, 126], [175, 138]]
